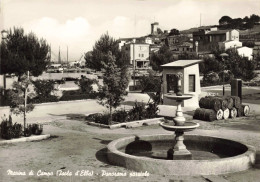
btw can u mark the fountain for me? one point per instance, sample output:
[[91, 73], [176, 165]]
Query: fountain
[[179, 125], [171, 154]]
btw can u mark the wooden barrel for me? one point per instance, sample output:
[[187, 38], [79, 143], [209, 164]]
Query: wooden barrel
[[196, 113], [230, 102], [201, 102], [205, 114], [226, 113], [224, 103], [219, 114], [236, 101], [233, 113], [239, 111], [210, 103], [246, 110]]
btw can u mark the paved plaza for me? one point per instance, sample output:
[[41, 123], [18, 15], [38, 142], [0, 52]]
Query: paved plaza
[[74, 145]]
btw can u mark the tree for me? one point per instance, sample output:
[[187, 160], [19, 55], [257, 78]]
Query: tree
[[159, 31], [210, 65], [240, 67], [85, 84], [44, 90], [18, 98], [115, 82], [174, 32], [163, 56], [101, 48], [224, 20], [24, 52], [150, 83]]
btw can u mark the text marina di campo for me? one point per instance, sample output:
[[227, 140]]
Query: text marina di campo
[[80, 173]]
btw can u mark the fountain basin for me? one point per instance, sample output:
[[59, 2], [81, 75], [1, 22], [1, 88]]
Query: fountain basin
[[188, 126], [178, 97], [211, 155]]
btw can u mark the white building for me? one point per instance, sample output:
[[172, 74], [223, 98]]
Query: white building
[[230, 44], [138, 54], [245, 52]]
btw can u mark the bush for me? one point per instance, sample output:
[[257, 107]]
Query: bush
[[99, 118], [9, 131], [138, 112], [6, 130], [228, 76], [120, 116], [17, 130], [44, 88], [77, 95], [85, 84], [28, 131], [37, 100], [211, 77], [37, 129]]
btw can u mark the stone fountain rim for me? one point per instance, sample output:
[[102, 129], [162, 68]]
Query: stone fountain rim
[[232, 164]]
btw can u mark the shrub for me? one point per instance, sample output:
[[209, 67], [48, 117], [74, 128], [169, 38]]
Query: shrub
[[17, 130], [37, 129], [37, 99], [120, 116], [9, 131], [6, 130], [152, 110], [43, 88], [228, 76], [85, 84], [211, 77], [28, 131], [77, 95], [138, 112]]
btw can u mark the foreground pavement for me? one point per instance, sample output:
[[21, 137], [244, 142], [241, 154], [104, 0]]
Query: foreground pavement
[[75, 146]]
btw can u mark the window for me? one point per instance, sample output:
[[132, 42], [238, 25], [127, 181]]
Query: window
[[191, 83], [172, 83]]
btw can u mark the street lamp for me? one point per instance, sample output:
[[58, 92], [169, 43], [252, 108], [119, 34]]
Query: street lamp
[[223, 55], [4, 36]]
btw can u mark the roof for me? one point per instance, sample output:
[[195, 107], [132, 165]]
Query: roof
[[217, 32], [181, 63], [231, 41], [244, 48]]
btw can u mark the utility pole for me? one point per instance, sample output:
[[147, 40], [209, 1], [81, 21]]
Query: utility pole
[[67, 55], [200, 19], [59, 60], [134, 61]]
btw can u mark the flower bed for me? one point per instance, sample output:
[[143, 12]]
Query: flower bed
[[138, 112]]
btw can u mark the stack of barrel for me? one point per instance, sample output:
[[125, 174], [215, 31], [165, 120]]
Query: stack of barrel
[[217, 108]]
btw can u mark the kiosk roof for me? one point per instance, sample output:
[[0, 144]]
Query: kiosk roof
[[181, 63]]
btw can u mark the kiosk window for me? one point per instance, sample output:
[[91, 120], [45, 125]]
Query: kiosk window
[[191, 83], [171, 83]]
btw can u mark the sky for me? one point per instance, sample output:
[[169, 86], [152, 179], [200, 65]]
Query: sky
[[77, 24]]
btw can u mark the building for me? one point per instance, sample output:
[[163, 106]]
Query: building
[[208, 39], [256, 49], [174, 41], [138, 54], [245, 52], [229, 44]]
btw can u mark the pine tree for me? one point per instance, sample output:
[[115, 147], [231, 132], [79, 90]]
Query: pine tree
[[23, 52]]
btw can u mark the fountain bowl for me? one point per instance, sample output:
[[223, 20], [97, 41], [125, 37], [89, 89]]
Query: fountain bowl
[[178, 97], [211, 155], [187, 126]]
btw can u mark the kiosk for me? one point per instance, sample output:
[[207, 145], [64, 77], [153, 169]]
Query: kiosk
[[190, 81]]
